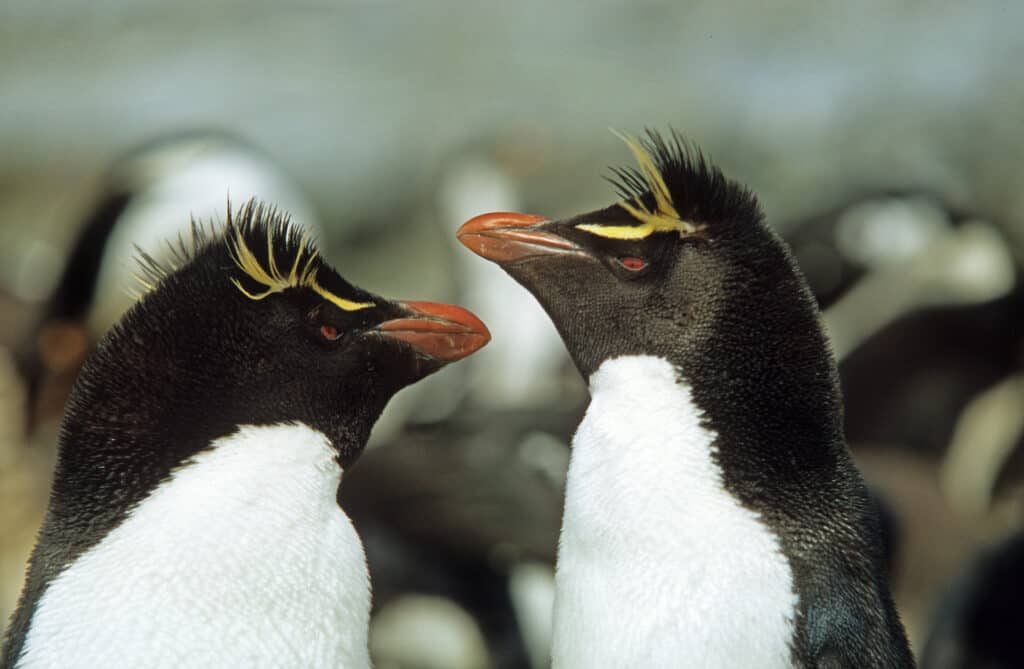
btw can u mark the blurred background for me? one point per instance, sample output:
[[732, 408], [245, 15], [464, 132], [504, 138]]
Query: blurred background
[[885, 142]]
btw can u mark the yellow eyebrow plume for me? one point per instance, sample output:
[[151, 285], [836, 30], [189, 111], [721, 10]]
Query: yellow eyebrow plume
[[664, 217], [642, 231], [275, 281]]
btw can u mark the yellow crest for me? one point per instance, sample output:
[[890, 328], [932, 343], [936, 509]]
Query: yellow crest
[[663, 218], [302, 273]]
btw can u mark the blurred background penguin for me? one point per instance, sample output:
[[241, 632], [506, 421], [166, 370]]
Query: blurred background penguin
[[881, 140]]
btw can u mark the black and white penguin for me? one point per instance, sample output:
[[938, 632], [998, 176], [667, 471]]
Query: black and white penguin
[[142, 200], [193, 519], [713, 516]]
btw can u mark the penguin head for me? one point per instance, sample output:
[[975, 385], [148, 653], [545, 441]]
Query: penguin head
[[252, 327], [684, 247], [140, 202]]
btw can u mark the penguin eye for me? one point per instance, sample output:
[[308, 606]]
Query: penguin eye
[[632, 263], [329, 332]]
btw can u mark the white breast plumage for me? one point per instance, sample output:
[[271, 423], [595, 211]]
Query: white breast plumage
[[241, 558], [658, 564]]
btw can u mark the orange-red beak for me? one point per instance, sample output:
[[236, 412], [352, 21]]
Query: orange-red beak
[[505, 237], [442, 331]]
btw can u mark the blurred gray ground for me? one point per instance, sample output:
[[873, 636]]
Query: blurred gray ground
[[363, 103]]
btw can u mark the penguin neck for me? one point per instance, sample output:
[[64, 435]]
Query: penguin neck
[[241, 556], [651, 535], [763, 375]]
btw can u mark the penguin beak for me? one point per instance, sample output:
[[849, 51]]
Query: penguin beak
[[505, 238], [444, 332]]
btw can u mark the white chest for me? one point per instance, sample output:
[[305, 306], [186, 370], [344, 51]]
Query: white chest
[[242, 558], [658, 565]]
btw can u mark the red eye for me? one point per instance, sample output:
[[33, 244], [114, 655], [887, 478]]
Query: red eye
[[329, 332], [632, 263]]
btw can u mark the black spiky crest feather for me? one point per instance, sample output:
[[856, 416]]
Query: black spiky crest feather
[[268, 251], [697, 189]]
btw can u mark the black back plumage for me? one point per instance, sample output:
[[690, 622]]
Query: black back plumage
[[765, 378], [766, 381]]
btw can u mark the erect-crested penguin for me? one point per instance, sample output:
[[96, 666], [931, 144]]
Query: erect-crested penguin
[[193, 519], [713, 516]]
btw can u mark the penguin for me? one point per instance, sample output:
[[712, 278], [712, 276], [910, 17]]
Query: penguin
[[142, 199], [193, 519], [713, 516]]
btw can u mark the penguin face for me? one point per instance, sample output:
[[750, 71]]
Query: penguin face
[[334, 361], [255, 329], [605, 296], [644, 276]]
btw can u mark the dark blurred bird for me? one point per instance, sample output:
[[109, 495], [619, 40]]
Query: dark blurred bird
[[713, 515], [453, 509], [979, 620], [193, 518], [921, 298]]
